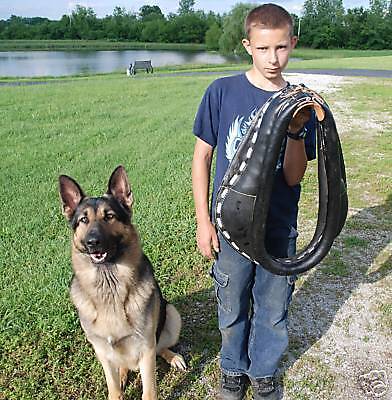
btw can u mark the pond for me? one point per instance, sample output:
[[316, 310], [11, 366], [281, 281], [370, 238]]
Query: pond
[[63, 63]]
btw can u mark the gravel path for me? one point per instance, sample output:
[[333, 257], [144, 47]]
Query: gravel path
[[340, 325]]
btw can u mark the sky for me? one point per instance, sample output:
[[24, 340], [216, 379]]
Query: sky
[[54, 9]]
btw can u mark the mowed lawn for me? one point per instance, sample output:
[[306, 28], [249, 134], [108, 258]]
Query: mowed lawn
[[85, 128], [370, 63]]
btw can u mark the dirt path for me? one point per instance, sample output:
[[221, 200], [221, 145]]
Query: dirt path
[[341, 344]]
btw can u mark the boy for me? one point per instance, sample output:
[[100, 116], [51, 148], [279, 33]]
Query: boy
[[252, 302]]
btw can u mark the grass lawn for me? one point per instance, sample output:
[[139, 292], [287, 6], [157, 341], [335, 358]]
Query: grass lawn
[[63, 45], [371, 62], [86, 128], [311, 54]]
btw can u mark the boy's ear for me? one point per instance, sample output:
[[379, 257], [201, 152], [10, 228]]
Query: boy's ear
[[71, 195], [119, 187], [294, 41], [246, 44]]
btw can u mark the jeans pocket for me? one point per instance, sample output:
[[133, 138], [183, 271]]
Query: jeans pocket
[[291, 280], [221, 281]]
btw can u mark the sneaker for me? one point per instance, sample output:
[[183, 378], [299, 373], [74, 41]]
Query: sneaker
[[265, 389], [232, 387]]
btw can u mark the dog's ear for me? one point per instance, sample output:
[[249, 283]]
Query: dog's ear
[[119, 187], [71, 195]]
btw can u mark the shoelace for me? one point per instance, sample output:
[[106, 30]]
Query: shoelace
[[232, 383], [264, 385]]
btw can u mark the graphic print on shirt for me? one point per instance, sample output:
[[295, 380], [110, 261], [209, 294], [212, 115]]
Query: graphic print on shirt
[[237, 131]]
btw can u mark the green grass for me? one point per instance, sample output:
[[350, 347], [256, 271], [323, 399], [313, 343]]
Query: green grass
[[379, 62], [85, 128], [386, 316], [354, 241], [335, 265], [311, 54], [316, 380], [365, 126], [25, 45]]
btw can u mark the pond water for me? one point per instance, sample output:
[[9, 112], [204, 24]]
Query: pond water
[[63, 63]]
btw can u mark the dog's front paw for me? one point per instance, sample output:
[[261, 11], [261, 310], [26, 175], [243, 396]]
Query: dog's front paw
[[123, 378], [178, 362], [117, 397]]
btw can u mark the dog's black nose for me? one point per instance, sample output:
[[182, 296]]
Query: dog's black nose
[[93, 241]]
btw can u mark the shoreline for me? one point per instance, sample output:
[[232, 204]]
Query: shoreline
[[172, 73], [93, 45]]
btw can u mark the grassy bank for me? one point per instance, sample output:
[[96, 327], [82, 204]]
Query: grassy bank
[[84, 129], [311, 54], [360, 62], [371, 63], [379, 62], [300, 52], [68, 45]]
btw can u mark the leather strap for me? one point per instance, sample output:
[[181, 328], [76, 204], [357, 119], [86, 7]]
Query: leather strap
[[243, 198]]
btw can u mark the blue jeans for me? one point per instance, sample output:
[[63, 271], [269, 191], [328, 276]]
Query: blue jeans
[[252, 310]]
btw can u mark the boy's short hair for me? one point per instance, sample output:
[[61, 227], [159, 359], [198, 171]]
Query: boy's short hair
[[270, 16]]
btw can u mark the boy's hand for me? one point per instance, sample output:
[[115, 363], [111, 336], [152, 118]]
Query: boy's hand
[[207, 239], [301, 118]]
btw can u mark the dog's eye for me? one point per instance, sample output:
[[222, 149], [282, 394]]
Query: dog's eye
[[84, 220], [109, 217]]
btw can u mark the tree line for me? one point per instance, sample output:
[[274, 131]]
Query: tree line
[[324, 24]]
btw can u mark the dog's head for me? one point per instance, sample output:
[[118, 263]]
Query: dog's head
[[102, 225]]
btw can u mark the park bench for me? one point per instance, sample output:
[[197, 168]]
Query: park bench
[[146, 65]]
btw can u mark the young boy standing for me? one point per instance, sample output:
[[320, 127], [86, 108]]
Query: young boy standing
[[252, 302]]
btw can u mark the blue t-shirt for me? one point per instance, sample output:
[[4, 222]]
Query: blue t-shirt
[[224, 115]]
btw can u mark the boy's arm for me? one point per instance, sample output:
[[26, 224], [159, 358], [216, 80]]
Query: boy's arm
[[201, 167], [295, 161], [295, 158]]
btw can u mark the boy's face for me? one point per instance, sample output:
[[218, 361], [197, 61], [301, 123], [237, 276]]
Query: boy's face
[[270, 50]]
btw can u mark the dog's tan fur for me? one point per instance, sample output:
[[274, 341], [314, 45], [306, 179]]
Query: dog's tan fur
[[118, 302]]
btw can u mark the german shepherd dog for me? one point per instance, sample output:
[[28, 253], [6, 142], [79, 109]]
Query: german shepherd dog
[[120, 305]]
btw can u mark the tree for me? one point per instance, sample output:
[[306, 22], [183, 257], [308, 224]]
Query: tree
[[154, 31], [187, 28], [378, 7], [379, 28], [212, 37], [16, 28], [213, 19], [120, 25], [149, 13], [119, 12], [186, 7], [233, 30], [322, 23], [356, 33], [325, 24], [83, 23]]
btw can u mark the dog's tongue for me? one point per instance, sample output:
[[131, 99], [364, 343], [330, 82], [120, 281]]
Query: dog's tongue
[[98, 257]]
